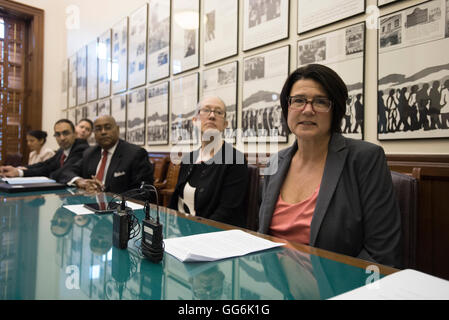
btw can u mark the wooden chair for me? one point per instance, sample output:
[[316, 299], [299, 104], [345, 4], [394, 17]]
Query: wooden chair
[[168, 185], [160, 170], [13, 159]]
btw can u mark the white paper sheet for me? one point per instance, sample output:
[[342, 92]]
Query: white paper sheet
[[403, 285], [216, 245], [25, 180], [80, 209]]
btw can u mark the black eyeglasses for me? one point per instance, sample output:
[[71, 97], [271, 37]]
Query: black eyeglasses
[[207, 112], [320, 104], [63, 133]]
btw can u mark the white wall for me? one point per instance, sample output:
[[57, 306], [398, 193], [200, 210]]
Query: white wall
[[96, 16]]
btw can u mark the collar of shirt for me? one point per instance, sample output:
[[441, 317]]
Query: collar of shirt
[[67, 152], [111, 150]]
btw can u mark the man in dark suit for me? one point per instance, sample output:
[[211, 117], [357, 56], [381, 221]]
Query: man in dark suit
[[70, 151], [113, 165]]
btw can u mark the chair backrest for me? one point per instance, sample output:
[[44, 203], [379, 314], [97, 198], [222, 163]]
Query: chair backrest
[[160, 168], [252, 198], [13, 159], [172, 175], [406, 189]]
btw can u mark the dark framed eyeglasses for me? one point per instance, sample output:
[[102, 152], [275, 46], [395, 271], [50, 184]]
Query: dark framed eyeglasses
[[319, 104], [207, 111]]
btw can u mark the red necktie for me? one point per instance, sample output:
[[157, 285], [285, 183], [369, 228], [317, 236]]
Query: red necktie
[[61, 160], [100, 172]]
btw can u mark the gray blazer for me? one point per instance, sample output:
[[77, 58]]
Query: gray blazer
[[356, 213]]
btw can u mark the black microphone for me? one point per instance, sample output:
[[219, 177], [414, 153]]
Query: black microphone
[[120, 226]]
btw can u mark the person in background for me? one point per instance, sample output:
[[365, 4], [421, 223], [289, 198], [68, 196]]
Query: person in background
[[35, 141], [213, 179], [71, 150], [84, 128], [329, 191]]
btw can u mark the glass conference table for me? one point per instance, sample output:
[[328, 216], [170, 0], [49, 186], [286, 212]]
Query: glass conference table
[[47, 252]]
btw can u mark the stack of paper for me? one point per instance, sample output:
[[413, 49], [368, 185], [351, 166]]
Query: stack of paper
[[216, 245], [25, 180]]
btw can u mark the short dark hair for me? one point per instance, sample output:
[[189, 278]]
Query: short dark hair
[[332, 84], [66, 121], [38, 134], [88, 121]]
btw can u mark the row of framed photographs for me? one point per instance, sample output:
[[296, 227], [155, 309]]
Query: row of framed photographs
[[408, 90]]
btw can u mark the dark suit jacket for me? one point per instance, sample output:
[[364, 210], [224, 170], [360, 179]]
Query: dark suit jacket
[[356, 213], [52, 168], [220, 183], [128, 168]]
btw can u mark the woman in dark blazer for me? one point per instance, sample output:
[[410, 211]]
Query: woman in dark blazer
[[326, 190]]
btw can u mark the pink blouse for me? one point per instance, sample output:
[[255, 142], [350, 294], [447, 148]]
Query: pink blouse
[[292, 221]]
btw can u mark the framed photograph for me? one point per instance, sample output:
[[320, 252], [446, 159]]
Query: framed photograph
[[157, 114], [185, 27], [184, 98], [91, 110], [137, 47], [135, 122], [342, 50], [413, 93], [159, 40], [64, 114], [384, 2], [104, 65], [313, 14], [263, 77], [220, 21], [81, 75], [78, 114], [222, 82], [119, 55], [104, 107], [71, 115], [264, 21], [118, 111], [72, 81], [92, 71], [64, 85]]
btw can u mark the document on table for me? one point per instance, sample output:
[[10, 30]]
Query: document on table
[[80, 209], [25, 180], [216, 245], [402, 285]]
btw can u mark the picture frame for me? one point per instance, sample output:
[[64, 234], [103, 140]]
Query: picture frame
[[222, 81], [92, 70], [185, 35], [81, 75], [413, 93], [184, 99], [104, 64], [315, 14], [159, 40], [342, 50], [264, 22], [263, 76], [64, 85], [137, 67], [135, 117], [381, 3], [220, 20], [104, 107], [119, 68], [71, 115], [118, 111], [157, 114], [72, 81]]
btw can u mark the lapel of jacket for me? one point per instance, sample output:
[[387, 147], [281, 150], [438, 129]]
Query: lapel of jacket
[[335, 161], [115, 161], [93, 164]]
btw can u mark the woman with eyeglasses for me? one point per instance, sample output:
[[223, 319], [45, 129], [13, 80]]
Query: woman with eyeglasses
[[213, 179], [329, 191]]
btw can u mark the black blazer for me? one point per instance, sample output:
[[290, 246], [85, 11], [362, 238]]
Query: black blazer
[[128, 168], [220, 183], [356, 213], [52, 167]]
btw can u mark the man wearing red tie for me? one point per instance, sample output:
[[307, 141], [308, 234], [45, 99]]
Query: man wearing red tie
[[113, 165], [70, 151]]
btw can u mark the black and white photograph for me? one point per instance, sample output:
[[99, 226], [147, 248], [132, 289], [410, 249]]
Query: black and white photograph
[[184, 99], [157, 114], [261, 110], [137, 47], [220, 20], [264, 21], [185, 35], [104, 65], [135, 117], [118, 111], [91, 110], [384, 2], [81, 75], [390, 32], [222, 82], [71, 114], [343, 51], [413, 93], [64, 84], [159, 40], [72, 81], [92, 70], [119, 55], [313, 14], [104, 107]]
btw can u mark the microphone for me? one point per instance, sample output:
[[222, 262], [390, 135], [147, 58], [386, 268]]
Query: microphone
[[121, 226]]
